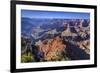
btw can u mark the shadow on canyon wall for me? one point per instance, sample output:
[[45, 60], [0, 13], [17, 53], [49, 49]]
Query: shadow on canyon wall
[[76, 53]]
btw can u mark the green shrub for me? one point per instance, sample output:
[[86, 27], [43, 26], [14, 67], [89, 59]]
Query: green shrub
[[27, 57]]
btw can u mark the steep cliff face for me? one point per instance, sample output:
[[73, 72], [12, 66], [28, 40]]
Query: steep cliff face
[[52, 49]]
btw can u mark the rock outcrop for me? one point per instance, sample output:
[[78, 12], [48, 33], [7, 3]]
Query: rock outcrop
[[52, 49]]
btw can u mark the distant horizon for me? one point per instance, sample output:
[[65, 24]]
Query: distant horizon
[[51, 18], [53, 14]]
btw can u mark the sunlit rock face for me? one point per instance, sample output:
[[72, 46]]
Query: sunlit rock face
[[52, 49]]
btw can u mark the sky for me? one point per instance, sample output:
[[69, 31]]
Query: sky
[[54, 14]]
